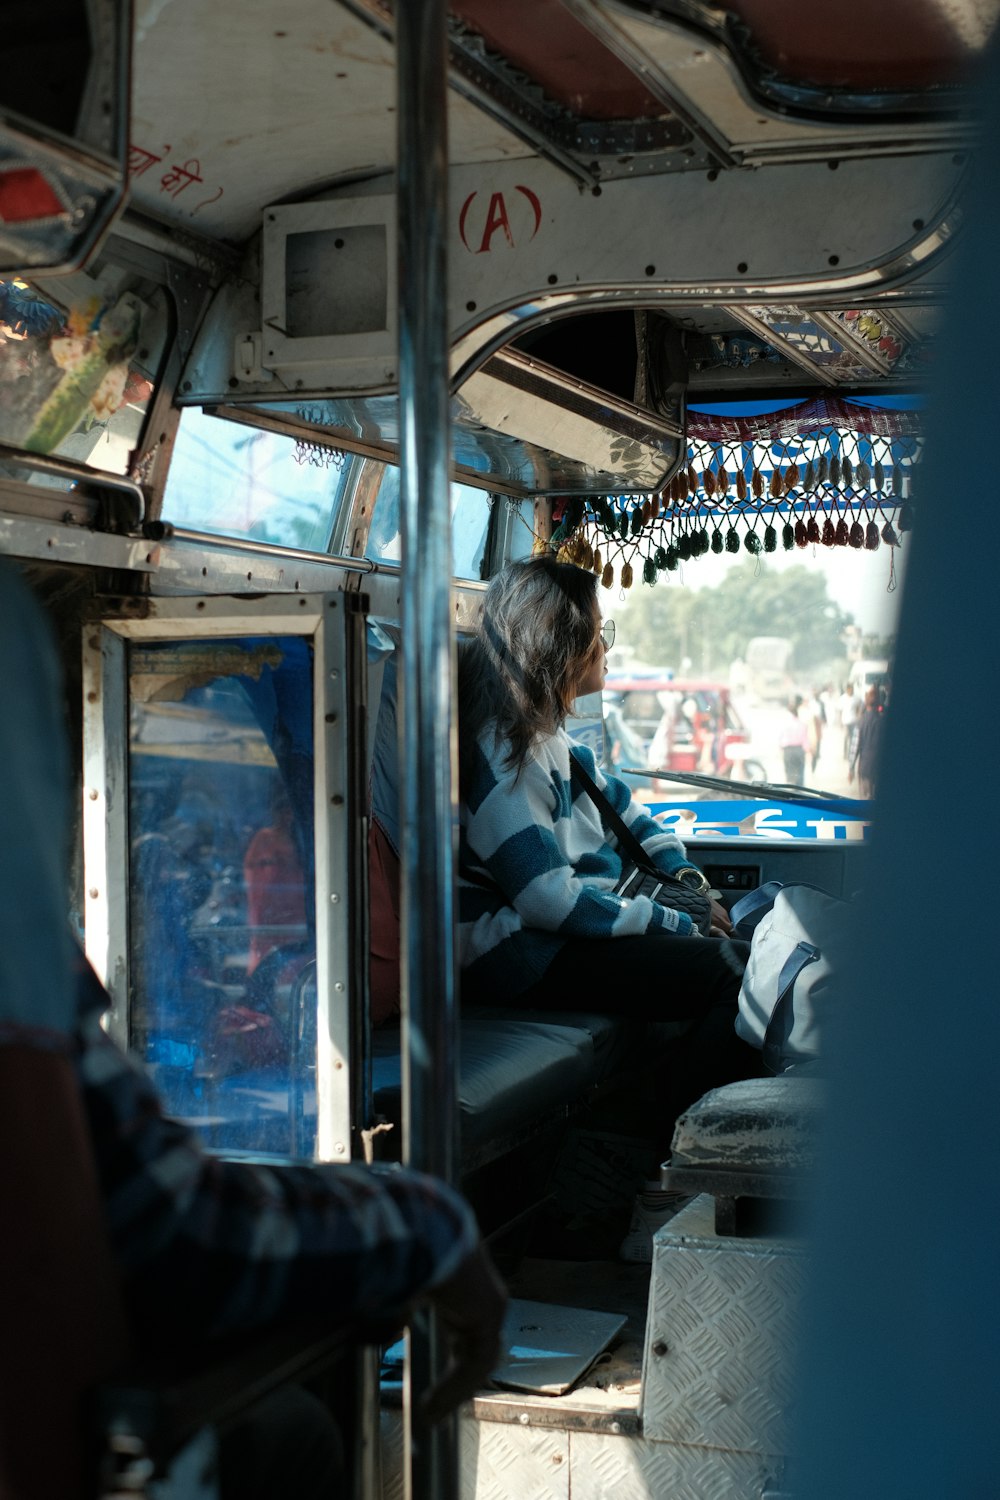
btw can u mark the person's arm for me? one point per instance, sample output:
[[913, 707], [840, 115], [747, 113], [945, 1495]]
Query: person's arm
[[511, 834], [209, 1247], [661, 845]]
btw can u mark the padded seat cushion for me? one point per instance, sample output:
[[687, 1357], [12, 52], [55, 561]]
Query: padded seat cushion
[[759, 1125], [514, 1070]]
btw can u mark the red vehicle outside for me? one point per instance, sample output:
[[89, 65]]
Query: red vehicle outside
[[685, 724]]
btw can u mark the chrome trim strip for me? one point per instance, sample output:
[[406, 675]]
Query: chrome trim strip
[[67, 468]]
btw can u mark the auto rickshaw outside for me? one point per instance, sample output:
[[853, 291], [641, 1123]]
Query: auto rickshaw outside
[[686, 724]]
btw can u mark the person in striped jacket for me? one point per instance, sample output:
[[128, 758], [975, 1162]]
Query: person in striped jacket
[[540, 923]]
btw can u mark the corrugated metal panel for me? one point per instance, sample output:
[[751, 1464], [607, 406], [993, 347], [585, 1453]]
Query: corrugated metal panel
[[723, 1315]]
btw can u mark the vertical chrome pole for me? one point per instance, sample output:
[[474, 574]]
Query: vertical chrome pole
[[428, 808]]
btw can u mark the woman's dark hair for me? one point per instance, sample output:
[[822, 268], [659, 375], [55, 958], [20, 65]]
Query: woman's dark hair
[[535, 633]]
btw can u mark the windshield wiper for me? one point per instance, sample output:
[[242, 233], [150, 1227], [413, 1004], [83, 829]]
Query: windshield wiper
[[762, 790]]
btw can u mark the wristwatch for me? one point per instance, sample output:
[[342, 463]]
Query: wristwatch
[[692, 878]]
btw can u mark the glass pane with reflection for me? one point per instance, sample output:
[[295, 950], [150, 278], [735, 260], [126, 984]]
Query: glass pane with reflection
[[222, 928]]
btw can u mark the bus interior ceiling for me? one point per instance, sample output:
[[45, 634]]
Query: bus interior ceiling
[[653, 211]]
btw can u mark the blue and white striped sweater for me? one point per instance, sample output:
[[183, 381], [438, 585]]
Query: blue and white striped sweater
[[536, 868]]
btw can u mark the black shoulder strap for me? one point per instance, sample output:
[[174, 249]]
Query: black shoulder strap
[[627, 841]]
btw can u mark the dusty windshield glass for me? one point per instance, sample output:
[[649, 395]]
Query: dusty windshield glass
[[762, 648]]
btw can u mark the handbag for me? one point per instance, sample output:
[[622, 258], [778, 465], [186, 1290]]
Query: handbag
[[795, 933], [640, 877]]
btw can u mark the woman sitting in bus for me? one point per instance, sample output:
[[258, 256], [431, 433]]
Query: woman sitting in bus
[[540, 924]]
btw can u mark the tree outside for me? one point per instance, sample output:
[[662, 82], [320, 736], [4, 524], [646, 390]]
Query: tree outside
[[709, 627]]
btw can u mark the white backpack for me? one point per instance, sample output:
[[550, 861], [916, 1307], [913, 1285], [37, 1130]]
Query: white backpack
[[794, 931]]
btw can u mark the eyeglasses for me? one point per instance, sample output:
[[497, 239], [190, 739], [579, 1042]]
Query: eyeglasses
[[608, 634]]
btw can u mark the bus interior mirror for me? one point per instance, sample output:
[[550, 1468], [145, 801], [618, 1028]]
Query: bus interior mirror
[[64, 101]]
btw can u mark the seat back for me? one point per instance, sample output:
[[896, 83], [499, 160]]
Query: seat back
[[60, 1303]]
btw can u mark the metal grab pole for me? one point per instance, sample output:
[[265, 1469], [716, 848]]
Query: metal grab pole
[[426, 748]]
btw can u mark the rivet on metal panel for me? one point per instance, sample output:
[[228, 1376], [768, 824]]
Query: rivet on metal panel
[[340, 1149], [616, 1427], [93, 893], [339, 987], [92, 697], [660, 1349], [93, 794], [334, 898], [337, 799], [331, 718], [523, 1419]]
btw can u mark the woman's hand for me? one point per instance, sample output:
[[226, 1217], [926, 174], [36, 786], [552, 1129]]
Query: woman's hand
[[721, 925]]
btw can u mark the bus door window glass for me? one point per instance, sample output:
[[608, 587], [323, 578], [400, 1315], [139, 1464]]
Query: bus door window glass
[[470, 519], [222, 934], [79, 358], [233, 480]]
